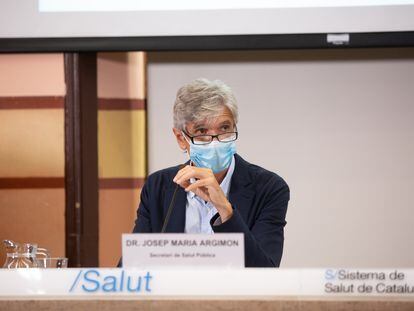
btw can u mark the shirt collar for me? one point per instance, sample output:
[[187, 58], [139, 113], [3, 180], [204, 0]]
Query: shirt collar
[[225, 184]]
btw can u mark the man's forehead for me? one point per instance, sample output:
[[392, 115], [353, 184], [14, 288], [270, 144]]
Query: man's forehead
[[213, 121], [225, 116]]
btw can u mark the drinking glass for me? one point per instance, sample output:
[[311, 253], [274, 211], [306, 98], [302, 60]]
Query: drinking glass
[[52, 262]]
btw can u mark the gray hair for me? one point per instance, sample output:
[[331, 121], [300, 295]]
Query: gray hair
[[202, 99]]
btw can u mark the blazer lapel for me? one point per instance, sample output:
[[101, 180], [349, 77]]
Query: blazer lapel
[[176, 223], [241, 195]]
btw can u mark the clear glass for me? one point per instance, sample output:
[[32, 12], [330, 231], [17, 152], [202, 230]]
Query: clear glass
[[23, 256], [52, 262]]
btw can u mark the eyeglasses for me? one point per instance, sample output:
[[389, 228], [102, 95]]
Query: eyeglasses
[[206, 139]]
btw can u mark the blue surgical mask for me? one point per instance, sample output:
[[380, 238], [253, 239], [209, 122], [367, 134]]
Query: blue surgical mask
[[216, 155]]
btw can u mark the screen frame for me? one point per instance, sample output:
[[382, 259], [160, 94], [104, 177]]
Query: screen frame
[[199, 43]]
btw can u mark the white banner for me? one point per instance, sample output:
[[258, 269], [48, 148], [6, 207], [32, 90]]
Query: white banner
[[65, 283]]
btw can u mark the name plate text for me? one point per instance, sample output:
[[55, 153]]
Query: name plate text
[[149, 250]]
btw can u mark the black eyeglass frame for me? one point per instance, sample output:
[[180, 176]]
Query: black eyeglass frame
[[212, 137]]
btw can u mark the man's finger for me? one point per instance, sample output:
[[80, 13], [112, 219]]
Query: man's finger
[[180, 172], [187, 176], [194, 172], [184, 184], [199, 183]]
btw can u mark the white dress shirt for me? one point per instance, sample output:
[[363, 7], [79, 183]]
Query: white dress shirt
[[199, 213]]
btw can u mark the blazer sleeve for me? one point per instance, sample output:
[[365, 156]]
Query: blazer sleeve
[[143, 221], [264, 241]]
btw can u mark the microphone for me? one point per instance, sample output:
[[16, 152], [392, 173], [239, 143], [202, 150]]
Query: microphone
[[171, 206]]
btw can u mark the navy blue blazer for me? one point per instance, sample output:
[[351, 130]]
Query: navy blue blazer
[[259, 199]]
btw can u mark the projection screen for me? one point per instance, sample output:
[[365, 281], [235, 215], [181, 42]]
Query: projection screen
[[160, 19]]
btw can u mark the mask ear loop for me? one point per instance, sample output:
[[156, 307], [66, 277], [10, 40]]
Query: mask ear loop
[[189, 142], [185, 150]]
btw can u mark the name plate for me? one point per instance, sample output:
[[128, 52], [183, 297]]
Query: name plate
[[154, 250]]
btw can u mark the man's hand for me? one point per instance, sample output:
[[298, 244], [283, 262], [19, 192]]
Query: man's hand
[[206, 187]]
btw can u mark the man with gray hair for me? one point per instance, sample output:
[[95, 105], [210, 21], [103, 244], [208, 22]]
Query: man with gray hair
[[218, 190]]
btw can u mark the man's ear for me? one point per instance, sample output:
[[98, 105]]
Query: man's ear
[[182, 143]]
